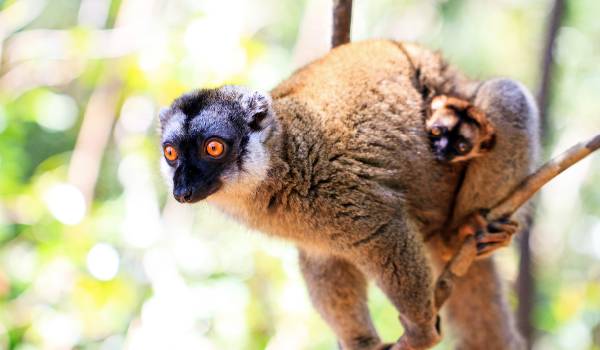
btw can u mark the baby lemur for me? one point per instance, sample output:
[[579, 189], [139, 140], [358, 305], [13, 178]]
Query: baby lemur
[[458, 130], [337, 160]]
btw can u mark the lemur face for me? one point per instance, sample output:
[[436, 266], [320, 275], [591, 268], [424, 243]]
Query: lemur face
[[212, 139], [458, 131]]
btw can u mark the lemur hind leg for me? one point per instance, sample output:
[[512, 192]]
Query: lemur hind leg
[[478, 313]]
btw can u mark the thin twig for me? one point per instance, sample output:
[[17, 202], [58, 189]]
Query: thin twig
[[342, 18], [543, 175]]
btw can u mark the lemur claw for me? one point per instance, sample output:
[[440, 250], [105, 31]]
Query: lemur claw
[[490, 235]]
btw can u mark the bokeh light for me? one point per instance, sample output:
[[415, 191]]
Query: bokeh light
[[56, 112], [66, 203], [103, 261]]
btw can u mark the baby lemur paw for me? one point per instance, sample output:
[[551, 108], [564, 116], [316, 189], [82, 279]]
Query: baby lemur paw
[[458, 130], [490, 235]]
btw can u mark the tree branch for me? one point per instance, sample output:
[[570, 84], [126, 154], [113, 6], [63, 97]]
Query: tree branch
[[543, 175], [467, 252], [342, 18]]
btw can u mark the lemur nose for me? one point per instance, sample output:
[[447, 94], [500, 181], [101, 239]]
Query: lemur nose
[[183, 195]]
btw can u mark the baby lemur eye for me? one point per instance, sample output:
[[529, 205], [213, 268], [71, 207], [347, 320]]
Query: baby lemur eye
[[463, 147], [215, 148], [170, 153]]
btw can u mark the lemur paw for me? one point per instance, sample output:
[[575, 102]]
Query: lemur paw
[[363, 343], [406, 344], [490, 235], [497, 234], [381, 346], [421, 338]]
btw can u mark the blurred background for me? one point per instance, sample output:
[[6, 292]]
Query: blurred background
[[94, 254]]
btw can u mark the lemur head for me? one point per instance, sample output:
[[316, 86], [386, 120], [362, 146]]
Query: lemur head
[[458, 130], [213, 138]]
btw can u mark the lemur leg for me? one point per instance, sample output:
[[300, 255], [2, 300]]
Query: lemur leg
[[394, 257], [478, 313], [338, 291], [477, 307]]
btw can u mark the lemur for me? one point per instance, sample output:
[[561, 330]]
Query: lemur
[[458, 130], [337, 160]]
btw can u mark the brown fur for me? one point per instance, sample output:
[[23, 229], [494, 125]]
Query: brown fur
[[353, 182]]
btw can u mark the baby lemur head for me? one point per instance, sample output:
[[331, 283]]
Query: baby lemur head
[[213, 139], [458, 130]]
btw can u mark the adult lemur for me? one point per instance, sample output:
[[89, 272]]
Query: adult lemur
[[337, 159]]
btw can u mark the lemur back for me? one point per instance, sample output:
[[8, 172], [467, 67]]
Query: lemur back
[[353, 135]]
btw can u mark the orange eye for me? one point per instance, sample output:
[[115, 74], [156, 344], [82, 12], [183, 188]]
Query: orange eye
[[170, 153], [215, 148]]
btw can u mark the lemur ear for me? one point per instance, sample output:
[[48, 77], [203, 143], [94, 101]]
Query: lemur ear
[[259, 112], [489, 143], [257, 106]]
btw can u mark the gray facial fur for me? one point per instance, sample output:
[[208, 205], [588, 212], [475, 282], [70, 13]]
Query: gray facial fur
[[234, 115]]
